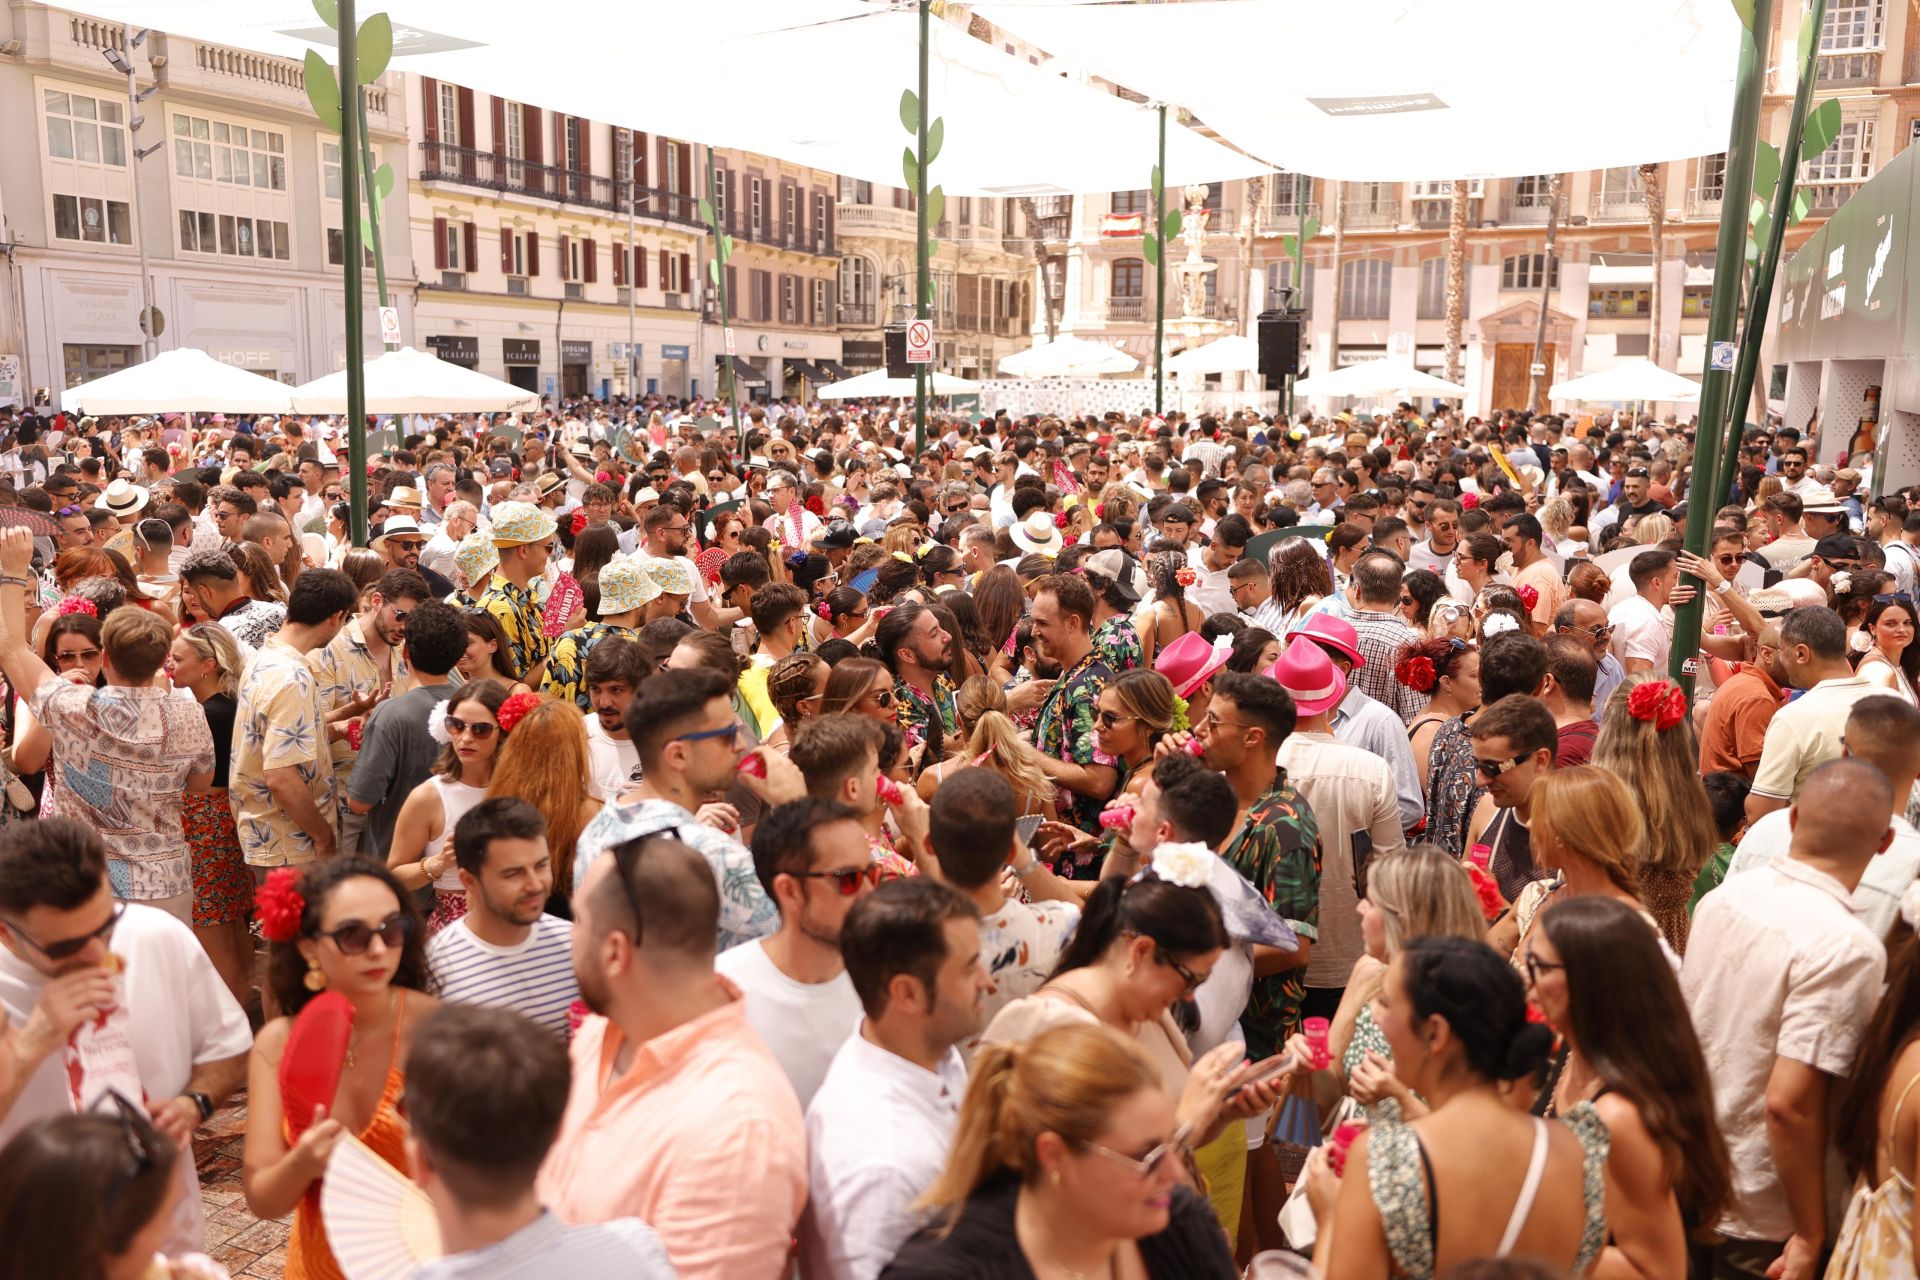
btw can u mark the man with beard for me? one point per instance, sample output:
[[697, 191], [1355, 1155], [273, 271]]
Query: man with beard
[[401, 540], [506, 952], [358, 666], [614, 671], [667, 528], [1062, 620], [811, 857], [918, 650]]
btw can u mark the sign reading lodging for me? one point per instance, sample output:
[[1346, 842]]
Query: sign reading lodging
[[919, 342]]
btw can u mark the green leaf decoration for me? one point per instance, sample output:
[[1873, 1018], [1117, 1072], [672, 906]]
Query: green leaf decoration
[[1290, 245], [1802, 205], [1170, 227], [936, 134], [1753, 252], [910, 111], [1155, 184], [383, 181], [1809, 31], [936, 206], [1762, 228], [323, 91], [1756, 211], [706, 211], [366, 232], [726, 248], [910, 167], [1150, 249], [375, 47], [1822, 127], [1766, 170], [933, 247], [713, 270], [1743, 9], [329, 12], [1309, 228]]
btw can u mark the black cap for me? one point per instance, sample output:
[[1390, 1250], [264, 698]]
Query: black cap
[[1837, 546]]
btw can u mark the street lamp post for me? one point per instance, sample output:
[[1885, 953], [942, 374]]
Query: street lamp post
[[633, 365], [122, 61]]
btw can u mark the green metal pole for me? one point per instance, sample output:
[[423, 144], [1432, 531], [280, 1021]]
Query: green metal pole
[[350, 234], [720, 287], [1760, 298], [1160, 275], [1729, 260], [373, 197], [923, 284]]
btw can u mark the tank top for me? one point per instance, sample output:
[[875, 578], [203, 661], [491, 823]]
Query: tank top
[[309, 1256], [455, 799]]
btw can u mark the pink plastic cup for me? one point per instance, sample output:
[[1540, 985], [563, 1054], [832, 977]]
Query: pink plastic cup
[[752, 765], [887, 789], [1315, 1031]]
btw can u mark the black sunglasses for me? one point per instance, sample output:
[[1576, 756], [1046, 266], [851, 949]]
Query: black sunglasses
[[1897, 597], [1491, 769], [354, 937], [140, 1138], [67, 948]]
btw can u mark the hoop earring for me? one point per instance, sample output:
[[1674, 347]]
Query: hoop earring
[[315, 979]]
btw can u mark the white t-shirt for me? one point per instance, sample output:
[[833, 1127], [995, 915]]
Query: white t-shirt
[[533, 978], [1640, 632], [616, 763], [803, 1023], [180, 1016]]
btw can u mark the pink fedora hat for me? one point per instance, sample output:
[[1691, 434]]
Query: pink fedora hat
[[1306, 672], [1190, 661]]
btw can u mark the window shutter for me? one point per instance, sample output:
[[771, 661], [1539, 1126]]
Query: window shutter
[[639, 267], [591, 262], [832, 213], [440, 244], [619, 267], [464, 97], [559, 142], [686, 166], [533, 253], [639, 159], [584, 128], [430, 107], [566, 257], [733, 293], [499, 105], [666, 272], [530, 135], [664, 144], [733, 203], [506, 248], [686, 273], [471, 236]]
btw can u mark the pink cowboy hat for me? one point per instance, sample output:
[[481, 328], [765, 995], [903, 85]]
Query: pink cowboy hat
[[1190, 661], [1306, 672]]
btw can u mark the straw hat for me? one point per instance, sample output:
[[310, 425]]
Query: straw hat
[[122, 498]]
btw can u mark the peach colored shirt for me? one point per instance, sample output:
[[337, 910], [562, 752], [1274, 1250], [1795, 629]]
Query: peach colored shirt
[[701, 1138]]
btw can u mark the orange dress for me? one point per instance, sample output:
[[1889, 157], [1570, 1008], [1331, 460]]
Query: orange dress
[[309, 1256]]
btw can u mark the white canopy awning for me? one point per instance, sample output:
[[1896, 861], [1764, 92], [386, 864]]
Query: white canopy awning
[[1011, 128], [1626, 382], [1067, 357], [1377, 378], [876, 385], [1232, 354], [1400, 90], [187, 380], [410, 381]]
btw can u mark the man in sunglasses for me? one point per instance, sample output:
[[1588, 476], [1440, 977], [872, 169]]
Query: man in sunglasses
[[167, 1029], [1513, 744], [1587, 622], [397, 752]]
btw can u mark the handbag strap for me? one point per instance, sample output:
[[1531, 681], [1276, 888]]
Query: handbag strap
[[1536, 1168]]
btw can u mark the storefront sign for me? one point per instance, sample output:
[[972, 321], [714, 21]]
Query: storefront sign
[[863, 354], [575, 352], [794, 344], [241, 359], [520, 350], [464, 352], [671, 352]]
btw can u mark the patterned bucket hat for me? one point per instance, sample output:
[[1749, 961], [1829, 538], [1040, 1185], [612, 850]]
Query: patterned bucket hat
[[476, 558], [671, 576], [518, 523], [625, 585]]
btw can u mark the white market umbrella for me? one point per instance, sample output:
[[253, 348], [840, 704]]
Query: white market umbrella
[[411, 381], [1067, 357], [1234, 354], [876, 385], [186, 380], [1626, 382], [1377, 377]]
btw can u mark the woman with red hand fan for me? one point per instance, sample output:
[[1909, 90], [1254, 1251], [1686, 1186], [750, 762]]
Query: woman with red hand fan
[[347, 942]]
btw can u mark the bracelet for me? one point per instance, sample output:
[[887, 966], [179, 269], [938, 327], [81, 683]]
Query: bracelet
[[10, 580], [1032, 865]]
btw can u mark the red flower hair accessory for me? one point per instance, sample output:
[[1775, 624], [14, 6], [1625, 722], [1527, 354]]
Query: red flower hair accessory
[[514, 710], [815, 505], [826, 613], [1529, 597], [1100, 511], [280, 905], [579, 521], [1186, 577], [1660, 701], [76, 604], [1416, 673], [1060, 520], [1468, 501]]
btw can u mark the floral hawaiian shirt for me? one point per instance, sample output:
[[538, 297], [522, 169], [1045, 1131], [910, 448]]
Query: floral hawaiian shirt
[[1277, 849], [280, 723], [252, 622], [746, 912], [346, 671], [518, 612], [916, 710], [1117, 641], [567, 663], [1064, 730]]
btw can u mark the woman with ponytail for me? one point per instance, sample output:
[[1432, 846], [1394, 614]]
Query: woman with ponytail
[[1171, 615], [1067, 1161], [1474, 1177], [989, 740]]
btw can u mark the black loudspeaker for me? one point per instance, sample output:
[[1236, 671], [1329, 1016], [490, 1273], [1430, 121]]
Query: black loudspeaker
[[1279, 346], [895, 338]]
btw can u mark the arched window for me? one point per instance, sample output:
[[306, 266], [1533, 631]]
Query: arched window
[[1366, 288], [1525, 270]]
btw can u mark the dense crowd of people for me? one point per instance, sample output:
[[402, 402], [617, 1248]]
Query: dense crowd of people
[[1111, 847]]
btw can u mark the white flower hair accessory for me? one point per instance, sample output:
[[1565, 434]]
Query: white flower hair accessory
[[1841, 582], [437, 724], [1187, 865], [1498, 623], [1910, 905]]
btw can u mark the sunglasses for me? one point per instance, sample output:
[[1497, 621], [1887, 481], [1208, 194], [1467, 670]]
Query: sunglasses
[[480, 729], [75, 658], [731, 733], [1897, 597], [1149, 1164], [882, 697], [67, 948], [71, 511], [1108, 719], [354, 937], [1491, 769], [406, 544], [849, 880]]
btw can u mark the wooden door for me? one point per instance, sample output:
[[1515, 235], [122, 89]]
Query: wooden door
[[1512, 383]]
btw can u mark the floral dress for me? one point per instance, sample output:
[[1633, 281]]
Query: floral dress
[[1876, 1240], [1453, 787]]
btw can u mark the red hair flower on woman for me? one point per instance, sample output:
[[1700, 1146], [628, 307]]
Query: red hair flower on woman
[[815, 505], [280, 905], [514, 709], [824, 610], [76, 604], [579, 521], [1468, 501], [1060, 520], [1487, 890], [1662, 702], [1186, 577], [1529, 597], [1416, 673]]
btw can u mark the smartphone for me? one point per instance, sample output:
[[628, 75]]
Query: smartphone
[[1274, 1066], [1025, 827]]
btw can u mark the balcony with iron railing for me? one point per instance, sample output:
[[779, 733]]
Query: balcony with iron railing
[[1360, 215], [1704, 204], [1431, 212], [1618, 206], [466, 166], [1282, 220], [1528, 210], [854, 313], [865, 219], [1126, 308], [1859, 67]]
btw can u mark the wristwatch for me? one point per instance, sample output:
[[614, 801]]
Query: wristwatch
[[1722, 587], [203, 1102]]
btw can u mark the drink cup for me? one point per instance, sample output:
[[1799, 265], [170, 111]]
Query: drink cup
[[1315, 1031]]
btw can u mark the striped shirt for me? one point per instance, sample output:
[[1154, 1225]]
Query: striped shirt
[[534, 978], [624, 1249]]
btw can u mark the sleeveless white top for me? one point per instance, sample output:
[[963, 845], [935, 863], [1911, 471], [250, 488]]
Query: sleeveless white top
[[455, 799]]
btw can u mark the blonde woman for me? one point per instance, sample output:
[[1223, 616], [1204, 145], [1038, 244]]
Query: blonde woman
[[205, 661], [1421, 892], [1648, 742], [992, 742]]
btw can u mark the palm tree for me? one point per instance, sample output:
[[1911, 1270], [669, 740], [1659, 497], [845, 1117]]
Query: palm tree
[[1653, 183], [1456, 277], [1031, 210]]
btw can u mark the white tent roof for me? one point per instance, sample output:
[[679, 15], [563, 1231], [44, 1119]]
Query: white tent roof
[[1067, 357], [876, 385], [1232, 354], [410, 381], [1011, 128], [1625, 382], [1399, 90], [1376, 378], [187, 380]]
